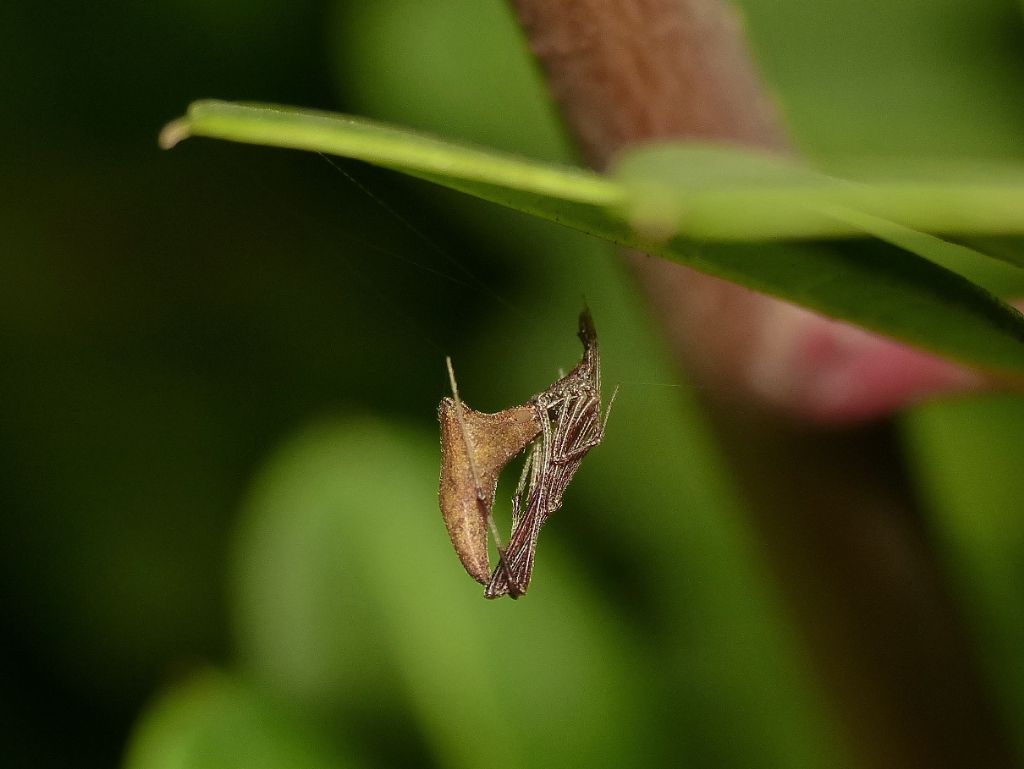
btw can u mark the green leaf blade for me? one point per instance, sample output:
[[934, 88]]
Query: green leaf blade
[[389, 146], [879, 286], [660, 197]]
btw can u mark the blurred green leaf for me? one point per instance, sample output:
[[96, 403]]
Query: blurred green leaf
[[215, 722], [969, 466], [727, 193], [346, 581]]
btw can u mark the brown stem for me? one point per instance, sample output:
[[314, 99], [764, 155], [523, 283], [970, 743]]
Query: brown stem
[[832, 506]]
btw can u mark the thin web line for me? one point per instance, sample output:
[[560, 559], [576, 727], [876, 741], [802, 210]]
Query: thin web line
[[436, 247]]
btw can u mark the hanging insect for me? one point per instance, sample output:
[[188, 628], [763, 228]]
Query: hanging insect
[[561, 424], [475, 447]]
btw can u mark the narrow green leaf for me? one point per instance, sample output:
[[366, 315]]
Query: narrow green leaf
[[401, 148], [716, 197], [870, 283]]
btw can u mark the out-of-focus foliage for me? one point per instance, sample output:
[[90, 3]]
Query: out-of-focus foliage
[[214, 722], [968, 458], [220, 373], [344, 522]]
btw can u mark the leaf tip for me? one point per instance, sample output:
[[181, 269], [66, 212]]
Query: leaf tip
[[173, 133]]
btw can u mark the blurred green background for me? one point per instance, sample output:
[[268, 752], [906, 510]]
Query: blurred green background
[[220, 368]]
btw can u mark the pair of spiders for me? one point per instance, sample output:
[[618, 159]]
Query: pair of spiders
[[560, 424]]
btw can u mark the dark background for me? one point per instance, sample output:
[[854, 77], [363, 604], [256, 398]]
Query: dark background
[[170, 320]]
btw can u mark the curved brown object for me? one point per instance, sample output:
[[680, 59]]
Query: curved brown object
[[469, 474]]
